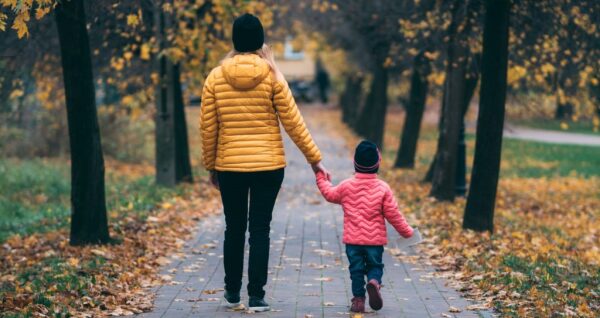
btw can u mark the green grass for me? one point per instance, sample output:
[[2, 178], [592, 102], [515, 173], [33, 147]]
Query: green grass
[[528, 159], [535, 159], [581, 126], [35, 198], [542, 275], [35, 195]]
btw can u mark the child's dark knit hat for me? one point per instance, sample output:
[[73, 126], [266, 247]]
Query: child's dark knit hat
[[366, 157], [248, 33]]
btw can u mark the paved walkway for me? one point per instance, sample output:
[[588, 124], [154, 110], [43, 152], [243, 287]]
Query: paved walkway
[[308, 266], [550, 136]]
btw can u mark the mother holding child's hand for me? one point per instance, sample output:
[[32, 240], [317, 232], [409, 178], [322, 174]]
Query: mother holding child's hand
[[242, 103]]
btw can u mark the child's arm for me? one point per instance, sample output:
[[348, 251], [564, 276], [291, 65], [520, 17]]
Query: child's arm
[[393, 215], [329, 192]]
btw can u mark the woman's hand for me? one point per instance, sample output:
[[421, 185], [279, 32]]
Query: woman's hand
[[316, 167], [213, 179]]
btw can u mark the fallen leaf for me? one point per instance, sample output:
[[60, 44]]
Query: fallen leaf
[[454, 309]]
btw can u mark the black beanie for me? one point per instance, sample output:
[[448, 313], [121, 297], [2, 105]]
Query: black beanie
[[366, 157], [248, 34]]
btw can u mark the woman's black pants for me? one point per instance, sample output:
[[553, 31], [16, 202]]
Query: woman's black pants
[[261, 188]]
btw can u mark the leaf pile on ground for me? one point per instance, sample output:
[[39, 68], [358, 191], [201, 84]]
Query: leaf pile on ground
[[41, 275], [543, 257]]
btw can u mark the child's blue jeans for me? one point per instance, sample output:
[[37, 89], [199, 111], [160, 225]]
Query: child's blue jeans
[[364, 260]]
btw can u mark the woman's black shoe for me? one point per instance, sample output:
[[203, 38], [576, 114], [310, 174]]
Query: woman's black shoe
[[231, 299], [258, 304]]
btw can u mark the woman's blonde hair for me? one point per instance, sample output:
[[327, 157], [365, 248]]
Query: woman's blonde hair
[[266, 54]]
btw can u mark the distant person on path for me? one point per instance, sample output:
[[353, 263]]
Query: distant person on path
[[243, 101], [322, 79], [367, 202]]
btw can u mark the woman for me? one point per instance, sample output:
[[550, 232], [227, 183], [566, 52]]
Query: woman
[[243, 101]]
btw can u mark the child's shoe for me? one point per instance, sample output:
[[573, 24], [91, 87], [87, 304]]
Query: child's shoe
[[375, 300], [358, 304]]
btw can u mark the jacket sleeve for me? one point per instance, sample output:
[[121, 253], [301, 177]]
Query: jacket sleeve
[[329, 192], [393, 215], [293, 123], [209, 125]]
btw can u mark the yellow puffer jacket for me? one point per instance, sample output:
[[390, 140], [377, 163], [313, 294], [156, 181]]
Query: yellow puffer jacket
[[242, 104]]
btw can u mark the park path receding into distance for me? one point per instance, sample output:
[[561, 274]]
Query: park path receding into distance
[[550, 136], [308, 275]]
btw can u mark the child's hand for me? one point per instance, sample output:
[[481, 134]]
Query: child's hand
[[415, 238], [319, 168]]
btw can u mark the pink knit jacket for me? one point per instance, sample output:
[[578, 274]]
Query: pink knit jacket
[[366, 201]]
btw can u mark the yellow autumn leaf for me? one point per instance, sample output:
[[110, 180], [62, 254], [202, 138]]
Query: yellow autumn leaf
[[127, 100], [117, 63], [145, 52], [539, 78], [16, 93], [12, 4], [515, 73], [167, 8], [73, 261], [437, 77], [41, 12], [155, 78], [133, 20], [20, 25], [135, 113], [176, 54], [2, 22], [432, 55], [388, 62]]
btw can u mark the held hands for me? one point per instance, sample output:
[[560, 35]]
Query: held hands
[[318, 167]]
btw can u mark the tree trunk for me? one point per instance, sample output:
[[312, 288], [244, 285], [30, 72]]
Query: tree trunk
[[371, 123], [172, 153], [470, 85], [183, 167], [432, 165], [461, 161], [564, 94], [594, 90], [165, 102], [444, 172], [564, 111], [568, 76], [350, 98], [89, 223], [414, 113], [479, 211]]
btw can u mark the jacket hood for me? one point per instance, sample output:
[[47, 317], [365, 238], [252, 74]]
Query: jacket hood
[[245, 71]]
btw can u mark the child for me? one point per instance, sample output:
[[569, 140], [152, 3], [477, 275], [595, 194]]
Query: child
[[366, 201]]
